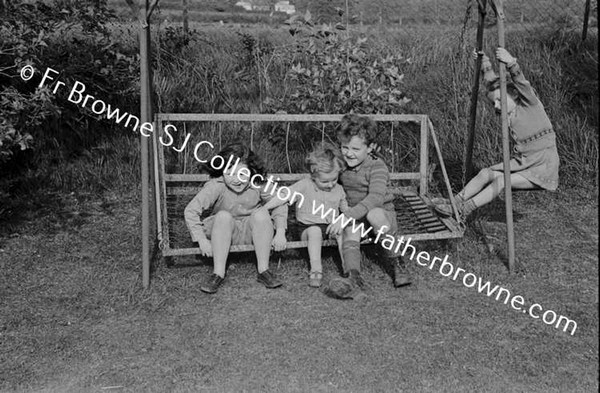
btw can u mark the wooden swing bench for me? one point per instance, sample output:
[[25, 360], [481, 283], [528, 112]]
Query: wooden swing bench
[[416, 217]]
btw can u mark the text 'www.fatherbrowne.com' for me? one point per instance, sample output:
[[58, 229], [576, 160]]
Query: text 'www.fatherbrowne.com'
[[447, 269]]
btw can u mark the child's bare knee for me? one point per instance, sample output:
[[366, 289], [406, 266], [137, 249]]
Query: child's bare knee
[[261, 216], [223, 216], [486, 173], [314, 231], [499, 182], [377, 218]]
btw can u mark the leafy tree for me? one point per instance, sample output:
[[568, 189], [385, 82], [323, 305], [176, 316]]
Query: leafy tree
[[338, 73]]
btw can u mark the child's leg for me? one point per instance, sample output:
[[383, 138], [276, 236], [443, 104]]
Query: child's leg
[[221, 240], [378, 219], [351, 250], [386, 220], [314, 236], [476, 184], [340, 244], [262, 236], [488, 194]]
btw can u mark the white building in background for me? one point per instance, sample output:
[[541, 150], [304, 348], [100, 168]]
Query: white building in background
[[263, 5], [244, 4], [285, 6]]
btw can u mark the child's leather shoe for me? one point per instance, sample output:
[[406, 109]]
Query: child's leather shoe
[[212, 283], [269, 279]]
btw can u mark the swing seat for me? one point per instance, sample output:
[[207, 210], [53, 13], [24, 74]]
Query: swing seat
[[416, 218]]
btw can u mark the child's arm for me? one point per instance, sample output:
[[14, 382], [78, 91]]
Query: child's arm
[[202, 201], [335, 230], [279, 216], [487, 72], [296, 188], [344, 203], [522, 84], [377, 189], [273, 203]]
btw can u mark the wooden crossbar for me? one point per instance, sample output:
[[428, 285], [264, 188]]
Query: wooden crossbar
[[277, 117], [291, 177]]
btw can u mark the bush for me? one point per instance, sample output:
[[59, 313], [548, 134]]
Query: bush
[[337, 73], [70, 37]]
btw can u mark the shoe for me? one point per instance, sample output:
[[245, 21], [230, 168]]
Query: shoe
[[440, 201], [444, 210], [401, 275], [315, 279], [212, 284], [355, 277], [345, 289], [268, 279]]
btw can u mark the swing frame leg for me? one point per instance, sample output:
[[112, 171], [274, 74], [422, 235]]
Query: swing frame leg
[[499, 9], [468, 166]]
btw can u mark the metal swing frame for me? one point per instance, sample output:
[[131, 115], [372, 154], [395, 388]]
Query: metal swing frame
[[166, 184]]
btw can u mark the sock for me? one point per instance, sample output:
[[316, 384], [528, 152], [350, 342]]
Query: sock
[[315, 263], [390, 254], [467, 208], [352, 257], [459, 198]]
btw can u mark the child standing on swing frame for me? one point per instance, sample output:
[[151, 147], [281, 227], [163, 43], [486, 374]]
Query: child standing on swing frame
[[534, 163]]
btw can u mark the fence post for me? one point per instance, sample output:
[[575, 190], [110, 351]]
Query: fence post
[[586, 18], [185, 18]]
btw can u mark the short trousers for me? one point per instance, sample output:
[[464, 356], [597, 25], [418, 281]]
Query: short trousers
[[302, 227], [242, 229]]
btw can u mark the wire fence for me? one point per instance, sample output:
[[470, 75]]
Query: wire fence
[[521, 15], [529, 15]]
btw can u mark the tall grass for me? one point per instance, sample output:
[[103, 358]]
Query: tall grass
[[224, 69]]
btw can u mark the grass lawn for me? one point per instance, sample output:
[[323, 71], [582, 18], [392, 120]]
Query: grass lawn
[[73, 315]]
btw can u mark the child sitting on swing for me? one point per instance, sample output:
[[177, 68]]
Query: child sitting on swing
[[324, 165], [236, 217], [535, 161], [366, 183]]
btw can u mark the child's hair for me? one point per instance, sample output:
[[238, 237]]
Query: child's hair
[[511, 89], [326, 158], [361, 126], [245, 155], [355, 125]]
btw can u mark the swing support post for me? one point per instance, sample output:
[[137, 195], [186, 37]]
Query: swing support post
[[482, 4], [499, 9], [143, 11]]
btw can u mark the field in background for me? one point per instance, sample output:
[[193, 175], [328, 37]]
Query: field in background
[[389, 12]]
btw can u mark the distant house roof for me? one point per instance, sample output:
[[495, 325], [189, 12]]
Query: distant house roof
[[285, 6]]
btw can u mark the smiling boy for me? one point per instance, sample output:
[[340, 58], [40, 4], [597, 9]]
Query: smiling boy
[[366, 183]]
